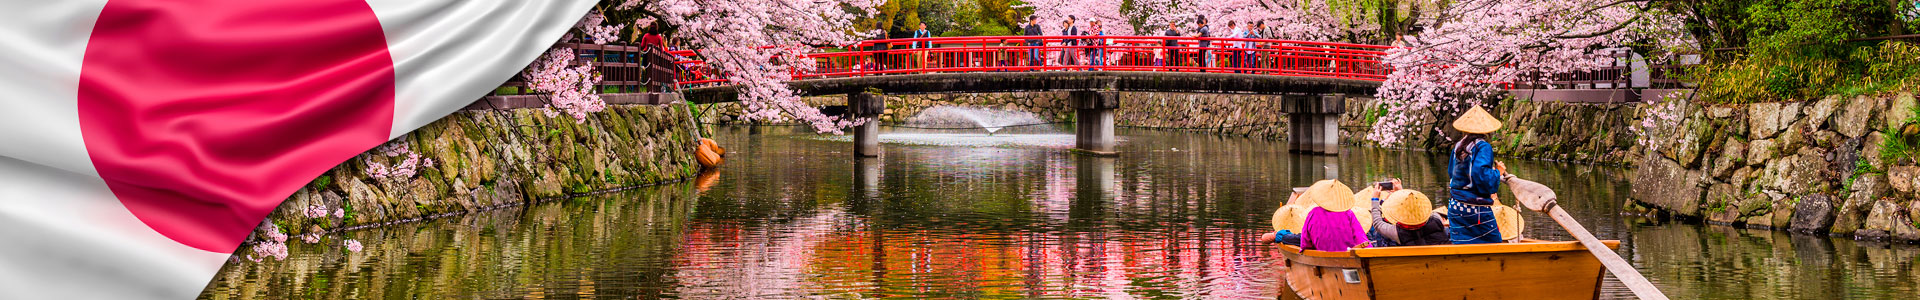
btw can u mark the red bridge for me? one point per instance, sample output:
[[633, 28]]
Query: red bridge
[[1082, 53]]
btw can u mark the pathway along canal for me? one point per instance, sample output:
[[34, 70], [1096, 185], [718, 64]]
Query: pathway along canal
[[791, 215]]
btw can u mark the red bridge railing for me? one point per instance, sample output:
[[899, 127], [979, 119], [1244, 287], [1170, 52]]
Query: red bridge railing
[[1088, 53]]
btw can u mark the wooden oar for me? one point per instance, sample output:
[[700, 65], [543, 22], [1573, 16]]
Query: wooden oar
[[1539, 198]]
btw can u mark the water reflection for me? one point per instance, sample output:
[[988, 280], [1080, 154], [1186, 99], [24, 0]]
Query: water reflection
[[794, 216]]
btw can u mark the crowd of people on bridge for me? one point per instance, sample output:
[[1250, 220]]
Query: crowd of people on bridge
[[1330, 216], [1239, 54], [1082, 44]]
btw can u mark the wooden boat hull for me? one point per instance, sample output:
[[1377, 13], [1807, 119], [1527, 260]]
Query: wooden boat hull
[[1527, 270]]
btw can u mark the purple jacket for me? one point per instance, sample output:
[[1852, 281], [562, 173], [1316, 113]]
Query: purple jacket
[[1331, 231]]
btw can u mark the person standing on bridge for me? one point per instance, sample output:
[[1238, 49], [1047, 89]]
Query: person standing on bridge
[[1169, 56], [1033, 29], [1200, 31], [920, 57], [1233, 56], [1252, 58], [1097, 55], [1066, 53], [1474, 180]]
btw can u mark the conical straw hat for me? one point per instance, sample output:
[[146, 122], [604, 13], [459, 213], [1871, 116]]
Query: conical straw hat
[[1331, 195], [1363, 207], [1508, 219], [1406, 207], [1290, 217], [1476, 120]]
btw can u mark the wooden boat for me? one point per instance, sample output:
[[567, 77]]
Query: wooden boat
[[1531, 269]]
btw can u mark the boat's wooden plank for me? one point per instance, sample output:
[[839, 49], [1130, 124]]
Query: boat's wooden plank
[[1325, 283], [1338, 262], [1474, 249], [1572, 274]]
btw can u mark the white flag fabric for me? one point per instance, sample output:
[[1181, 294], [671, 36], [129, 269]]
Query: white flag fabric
[[142, 140]]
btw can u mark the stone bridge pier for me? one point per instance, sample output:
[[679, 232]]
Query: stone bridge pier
[[1093, 121], [1313, 123], [866, 137]]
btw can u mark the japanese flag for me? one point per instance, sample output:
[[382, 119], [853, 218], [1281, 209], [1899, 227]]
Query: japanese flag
[[142, 140]]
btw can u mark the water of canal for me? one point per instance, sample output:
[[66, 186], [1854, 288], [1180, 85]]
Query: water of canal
[[1012, 215]]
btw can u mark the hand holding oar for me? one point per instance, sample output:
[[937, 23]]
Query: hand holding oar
[[1539, 198]]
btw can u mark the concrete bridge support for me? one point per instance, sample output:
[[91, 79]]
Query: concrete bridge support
[[866, 137], [1093, 126], [1313, 123]]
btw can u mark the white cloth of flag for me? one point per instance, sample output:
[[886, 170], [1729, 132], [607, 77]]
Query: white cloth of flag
[[142, 140]]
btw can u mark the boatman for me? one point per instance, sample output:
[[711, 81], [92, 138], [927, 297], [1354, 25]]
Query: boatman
[[1474, 178]]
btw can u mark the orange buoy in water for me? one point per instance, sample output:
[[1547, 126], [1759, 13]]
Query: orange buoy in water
[[709, 153]]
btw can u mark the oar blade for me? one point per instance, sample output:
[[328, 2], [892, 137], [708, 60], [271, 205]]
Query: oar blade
[[1532, 194]]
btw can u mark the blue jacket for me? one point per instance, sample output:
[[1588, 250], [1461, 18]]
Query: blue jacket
[[1474, 181], [922, 34]]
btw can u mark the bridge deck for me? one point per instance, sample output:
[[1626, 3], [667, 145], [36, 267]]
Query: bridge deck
[[1059, 81]]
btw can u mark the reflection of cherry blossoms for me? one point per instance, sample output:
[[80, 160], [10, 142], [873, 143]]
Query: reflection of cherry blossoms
[[353, 245]]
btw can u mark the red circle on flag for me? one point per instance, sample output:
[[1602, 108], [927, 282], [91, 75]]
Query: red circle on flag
[[203, 115]]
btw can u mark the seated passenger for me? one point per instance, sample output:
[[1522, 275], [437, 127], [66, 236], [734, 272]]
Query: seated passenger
[[1287, 222], [1509, 221], [1332, 226], [1407, 218]]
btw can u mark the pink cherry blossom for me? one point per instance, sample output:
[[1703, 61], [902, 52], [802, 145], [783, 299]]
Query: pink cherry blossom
[[339, 213], [274, 234], [378, 169], [316, 211], [310, 238], [353, 245], [760, 44], [599, 35], [570, 86], [1471, 50]]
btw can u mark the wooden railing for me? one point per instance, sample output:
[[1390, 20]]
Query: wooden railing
[[623, 69]]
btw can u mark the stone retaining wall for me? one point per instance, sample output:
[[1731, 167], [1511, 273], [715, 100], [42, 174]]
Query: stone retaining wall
[[1811, 166], [483, 159]]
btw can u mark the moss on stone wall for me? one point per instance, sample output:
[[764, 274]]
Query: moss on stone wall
[[492, 158], [1813, 166]]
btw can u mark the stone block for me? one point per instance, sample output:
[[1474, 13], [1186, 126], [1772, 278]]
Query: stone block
[[1720, 112], [1732, 157], [1818, 112], [1855, 118], [1814, 213], [1760, 151], [1743, 176], [1899, 109], [1664, 184], [1904, 178], [1884, 216], [1870, 150], [1761, 221], [1761, 121]]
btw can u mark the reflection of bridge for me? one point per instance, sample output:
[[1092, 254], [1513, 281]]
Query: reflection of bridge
[[1313, 78]]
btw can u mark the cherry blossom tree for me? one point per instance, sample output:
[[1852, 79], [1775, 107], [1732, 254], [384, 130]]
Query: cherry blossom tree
[[570, 87], [1472, 49], [761, 44]]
